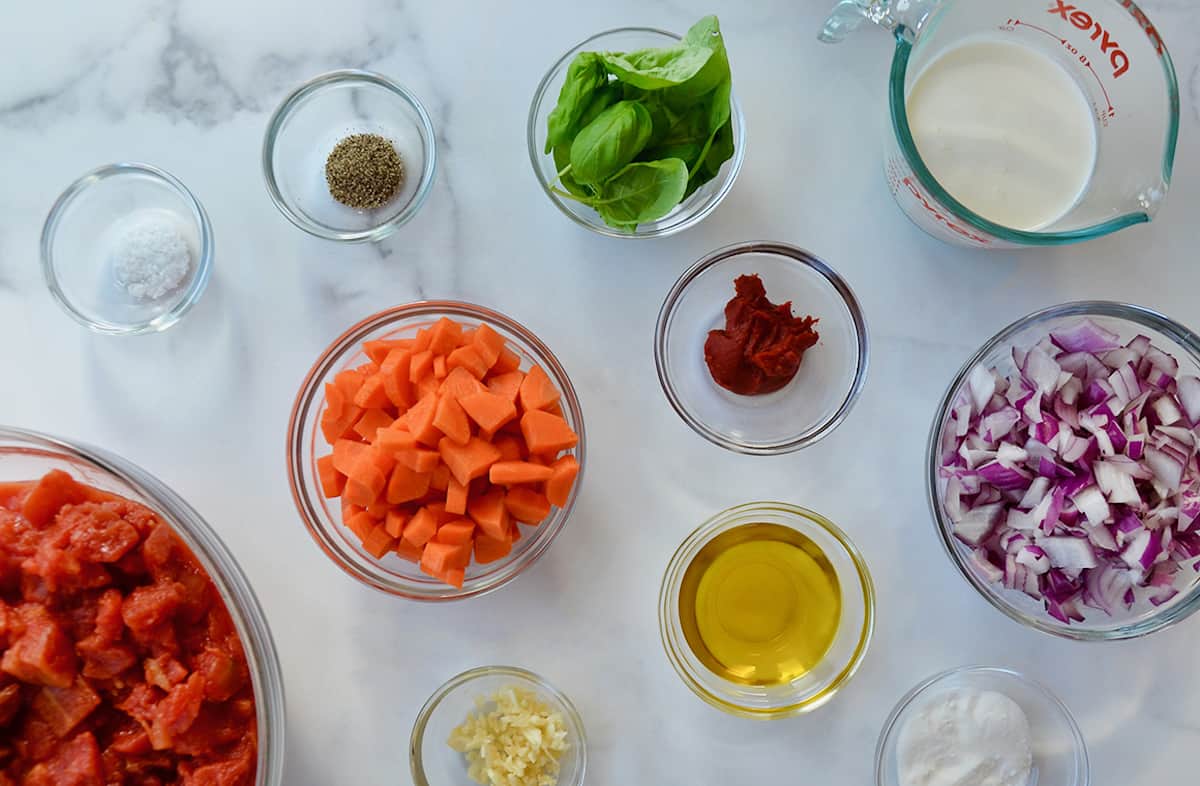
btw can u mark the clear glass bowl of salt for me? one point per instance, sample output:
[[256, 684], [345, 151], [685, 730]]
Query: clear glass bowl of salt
[[127, 249]]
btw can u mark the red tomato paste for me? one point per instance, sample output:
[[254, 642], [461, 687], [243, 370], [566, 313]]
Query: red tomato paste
[[761, 347], [119, 663]]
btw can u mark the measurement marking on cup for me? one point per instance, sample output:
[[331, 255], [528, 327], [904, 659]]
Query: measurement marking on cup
[[1110, 111]]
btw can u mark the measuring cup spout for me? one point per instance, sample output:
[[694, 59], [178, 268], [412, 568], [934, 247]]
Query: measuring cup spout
[[900, 17]]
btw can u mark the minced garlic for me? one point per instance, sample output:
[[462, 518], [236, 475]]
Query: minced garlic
[[514, 739]]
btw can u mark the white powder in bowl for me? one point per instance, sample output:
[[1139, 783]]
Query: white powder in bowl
[[966, 738], [150, 254]]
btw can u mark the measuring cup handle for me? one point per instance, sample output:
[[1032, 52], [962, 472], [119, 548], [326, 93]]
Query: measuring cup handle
[[900, 17]]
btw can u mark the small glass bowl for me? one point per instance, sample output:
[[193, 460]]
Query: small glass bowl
[[830, 377], [81, 225], [306, 444], [1059, 752], [845, 655], [318, 115], [435, 763], [1127, 321], [27, 455], [692, 210]]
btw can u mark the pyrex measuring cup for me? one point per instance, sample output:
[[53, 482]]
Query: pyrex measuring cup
[[1109, 48]]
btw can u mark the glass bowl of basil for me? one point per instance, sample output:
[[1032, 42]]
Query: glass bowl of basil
[[635, 132]]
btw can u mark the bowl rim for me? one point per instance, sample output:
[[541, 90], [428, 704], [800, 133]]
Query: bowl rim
[[203, 263], [218, 561], [310, 397], [804, 258], [294, 100], [714, 526], [600, 228], [889, 726], [1166, 616], [574, 720]]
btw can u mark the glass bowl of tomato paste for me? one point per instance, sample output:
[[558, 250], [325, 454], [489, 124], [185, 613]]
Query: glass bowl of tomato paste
[[324, 516], [734, 388], [165, 666]]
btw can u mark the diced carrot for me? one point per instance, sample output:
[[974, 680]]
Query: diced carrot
[[420, 421], [350, 510], [489, 410], [468, 336], [514, 531], [507, 385], [438, 557], [526, 505], [407, 485], [451, 420], [395, 437], [470, 359], [508, 361], [419, 459], [366, 470], [456, 497], [372, 395], [379, 509], [408, 551], [428, 386], [470, 461], [538, 390], [459, 382], [489, 344], [510, 473], [421, 342], [489, 512], [361, 524], [420, 366], [454, 576], [439, 366], [440, 480], [421, 527], [510, 447], [332, 481], [438, 509], [489, 549], [396, 384], [359, 493], [335, 427], [371, 421], [378, 542], [349, 381], [558, 487], [458, 531], [444, 336], [554, 409], [335, 400], [378, 349], [395, 521], [545, 433]]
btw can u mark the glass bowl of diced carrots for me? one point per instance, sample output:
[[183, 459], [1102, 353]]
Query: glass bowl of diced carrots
[[435, 450]]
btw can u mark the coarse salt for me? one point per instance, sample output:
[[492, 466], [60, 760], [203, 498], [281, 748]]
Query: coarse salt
[[150, 254]]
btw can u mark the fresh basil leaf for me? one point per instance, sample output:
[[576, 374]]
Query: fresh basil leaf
[[602, 99], [704, 34], [642, 192], [654, 69], [721, 149], [610, 141], [688, 152], [719, 107], [562, 159], [584, 76]]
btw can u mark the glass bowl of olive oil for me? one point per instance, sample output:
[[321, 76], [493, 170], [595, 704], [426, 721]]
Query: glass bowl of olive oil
[[766, 610]]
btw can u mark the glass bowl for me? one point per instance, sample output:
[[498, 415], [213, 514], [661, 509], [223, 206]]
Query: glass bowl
[[26, 455], [85, 220], [688, 213], [1127, 321], [318, 115], [1059, 752], [831, 375], [306, 444], [435, 763], [845, 654]]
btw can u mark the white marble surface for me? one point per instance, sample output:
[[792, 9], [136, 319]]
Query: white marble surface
[[188, 86]]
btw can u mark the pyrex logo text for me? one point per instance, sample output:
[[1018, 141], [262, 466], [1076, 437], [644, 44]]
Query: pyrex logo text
[[1083, 20]]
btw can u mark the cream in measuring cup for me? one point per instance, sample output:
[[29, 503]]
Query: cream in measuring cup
[[1024, 122]]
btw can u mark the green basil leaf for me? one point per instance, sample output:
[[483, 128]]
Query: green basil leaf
[[562, 159], [654, 69], [642, 192], [602, 99], [610, 141], [719, 107], [687, 152], [705, 34], [584, 76], [721, 149]]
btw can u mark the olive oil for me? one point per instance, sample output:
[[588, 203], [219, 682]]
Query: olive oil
[[760, 604]]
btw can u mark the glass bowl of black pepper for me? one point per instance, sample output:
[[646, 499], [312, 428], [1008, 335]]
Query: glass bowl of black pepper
[[350, 156]]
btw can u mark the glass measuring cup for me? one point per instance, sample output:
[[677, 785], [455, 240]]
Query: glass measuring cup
[[1110, 49]]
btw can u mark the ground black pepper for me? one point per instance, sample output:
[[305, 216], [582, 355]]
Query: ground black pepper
[[364, 171]]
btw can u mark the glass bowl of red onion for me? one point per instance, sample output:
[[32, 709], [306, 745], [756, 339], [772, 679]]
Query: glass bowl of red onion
[[1063, 474]]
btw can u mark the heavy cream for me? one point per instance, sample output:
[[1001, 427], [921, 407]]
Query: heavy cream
[[1005, 130]]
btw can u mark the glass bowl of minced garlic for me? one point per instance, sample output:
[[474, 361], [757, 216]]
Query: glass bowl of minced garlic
[[498, 726]]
